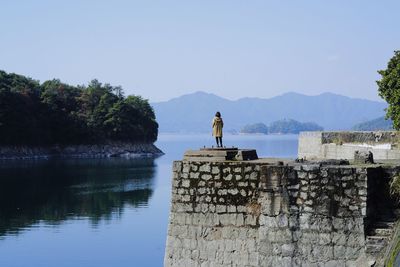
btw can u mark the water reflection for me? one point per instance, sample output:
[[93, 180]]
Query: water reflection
[[56, 190]]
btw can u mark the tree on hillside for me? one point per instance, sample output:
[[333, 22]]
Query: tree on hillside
[[57, 113], [60, 106], [19, 106], [132, 119], [389, 89]]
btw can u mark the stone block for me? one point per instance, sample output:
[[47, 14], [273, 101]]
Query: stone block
[[363, 157], [241, 209], [177, 166], [222, 192], [243, 192], [194, 175], [215, 170], [227, 219], [185, 183], [186, 168], [220, 208], [254, 176], [185, 198], [253, 259], [233, 191], [302, 174], [353, 253], [239, 220], [311, 167], [248, 169], [335, 263], [231, 209], [228, 177], [287, 250], [205, 167], [243, 184], [250, 220], [206, 177]]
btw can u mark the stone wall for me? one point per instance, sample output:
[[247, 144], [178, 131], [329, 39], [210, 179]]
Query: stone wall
[[342, 145], [258, 213]]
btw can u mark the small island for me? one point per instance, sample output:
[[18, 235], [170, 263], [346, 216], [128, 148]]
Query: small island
[[285, 126], [57, 119]]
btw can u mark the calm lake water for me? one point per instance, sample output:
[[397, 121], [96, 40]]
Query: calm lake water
[[102, 212]]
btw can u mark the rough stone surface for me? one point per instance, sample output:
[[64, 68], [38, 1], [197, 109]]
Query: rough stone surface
[[363, 157], [253, 213], [114, 149]]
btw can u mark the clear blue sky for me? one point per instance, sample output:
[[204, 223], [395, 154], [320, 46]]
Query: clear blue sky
[[163, 49]]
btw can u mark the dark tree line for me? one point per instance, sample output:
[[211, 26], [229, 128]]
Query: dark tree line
[[53, 112]]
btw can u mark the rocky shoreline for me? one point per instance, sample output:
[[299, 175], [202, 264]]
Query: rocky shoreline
[[80, 151]]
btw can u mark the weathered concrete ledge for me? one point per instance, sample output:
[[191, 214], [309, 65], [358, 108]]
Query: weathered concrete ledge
[[269, 212], [115, 149], [220, 154], [384, 145]]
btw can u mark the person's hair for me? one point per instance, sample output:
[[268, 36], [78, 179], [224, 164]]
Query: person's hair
[[218, 114]]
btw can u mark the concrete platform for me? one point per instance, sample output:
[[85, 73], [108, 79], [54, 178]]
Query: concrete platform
[[384, 145], [220, 154]]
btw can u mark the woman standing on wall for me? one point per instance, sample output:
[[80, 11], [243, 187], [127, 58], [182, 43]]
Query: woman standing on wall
[[217, 125]]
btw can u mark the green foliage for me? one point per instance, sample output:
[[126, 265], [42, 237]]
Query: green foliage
[[131, 118], [389, 89], [255, 128], [57, 113], [289, 126], [19, 102], [373, 125], [394, 250]]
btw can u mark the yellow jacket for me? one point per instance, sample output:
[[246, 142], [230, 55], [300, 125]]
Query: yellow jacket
[[217, 125]]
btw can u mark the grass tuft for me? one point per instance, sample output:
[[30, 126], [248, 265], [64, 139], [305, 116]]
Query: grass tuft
[[393, 254], [395, 187]]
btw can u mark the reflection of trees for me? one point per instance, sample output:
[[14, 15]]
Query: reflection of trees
[[53, 191]]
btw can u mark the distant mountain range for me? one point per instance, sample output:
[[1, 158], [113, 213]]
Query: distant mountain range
[[192, 113]]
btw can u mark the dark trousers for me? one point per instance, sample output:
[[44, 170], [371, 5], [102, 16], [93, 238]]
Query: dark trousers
[[219, 141]]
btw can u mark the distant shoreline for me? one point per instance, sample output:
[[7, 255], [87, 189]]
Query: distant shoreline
[[225, 134], [120, 149]]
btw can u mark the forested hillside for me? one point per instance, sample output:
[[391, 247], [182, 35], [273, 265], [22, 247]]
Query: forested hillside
[[52, 112], [285, 126], [374, 125], [289, 126]]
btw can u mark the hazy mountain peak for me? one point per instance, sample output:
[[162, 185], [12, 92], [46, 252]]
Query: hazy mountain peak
[[193, 112], [198, 95], [330, 94], [292, 94]]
